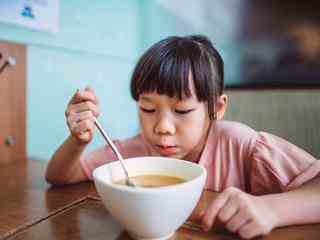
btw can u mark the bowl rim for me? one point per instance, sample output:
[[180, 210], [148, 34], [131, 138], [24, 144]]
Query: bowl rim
[[124, 188]]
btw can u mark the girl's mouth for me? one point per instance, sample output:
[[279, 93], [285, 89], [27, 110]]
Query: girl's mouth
[[167, 150]]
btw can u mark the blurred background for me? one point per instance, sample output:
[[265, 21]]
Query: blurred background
[[271, 51]]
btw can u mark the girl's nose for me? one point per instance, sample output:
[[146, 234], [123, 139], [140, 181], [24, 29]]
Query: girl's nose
[[165, 126]]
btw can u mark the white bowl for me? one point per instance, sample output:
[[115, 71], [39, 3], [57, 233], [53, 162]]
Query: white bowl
[[150, 213]]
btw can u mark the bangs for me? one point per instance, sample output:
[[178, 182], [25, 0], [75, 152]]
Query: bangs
[[168, 75]]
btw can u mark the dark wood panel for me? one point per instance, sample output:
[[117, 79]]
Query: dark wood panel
[[279, 44]]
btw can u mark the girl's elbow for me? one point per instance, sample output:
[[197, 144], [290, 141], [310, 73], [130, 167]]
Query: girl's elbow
[[53, 179], [59, 179]]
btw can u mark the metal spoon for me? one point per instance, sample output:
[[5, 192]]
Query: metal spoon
[[128, 182]]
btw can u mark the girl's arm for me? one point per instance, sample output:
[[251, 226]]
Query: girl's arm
[[288, 178], [64, 166], [251, 216], [299, 206]]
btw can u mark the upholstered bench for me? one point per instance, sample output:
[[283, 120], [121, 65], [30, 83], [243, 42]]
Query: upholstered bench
[[291, 114]]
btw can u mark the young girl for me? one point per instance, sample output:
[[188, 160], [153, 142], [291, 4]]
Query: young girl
[[265, 181]]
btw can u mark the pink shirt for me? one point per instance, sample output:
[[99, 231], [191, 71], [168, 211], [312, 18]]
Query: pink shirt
[[234, 155]]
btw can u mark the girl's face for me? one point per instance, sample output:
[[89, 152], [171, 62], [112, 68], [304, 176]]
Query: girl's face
[[174, 128]]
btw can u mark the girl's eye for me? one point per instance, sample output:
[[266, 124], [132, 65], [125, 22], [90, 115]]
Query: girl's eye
[[183, 111], [147, 110]]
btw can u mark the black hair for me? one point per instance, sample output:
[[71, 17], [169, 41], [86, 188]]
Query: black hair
[[165, 68]]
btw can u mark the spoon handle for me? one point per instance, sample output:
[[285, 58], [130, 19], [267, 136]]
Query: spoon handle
[[113, 147]]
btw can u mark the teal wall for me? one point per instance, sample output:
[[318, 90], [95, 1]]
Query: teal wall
[[218, 20], [97, 45]]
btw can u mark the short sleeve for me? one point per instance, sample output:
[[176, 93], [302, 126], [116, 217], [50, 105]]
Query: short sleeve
[[279, 166], [131, 147], [96, 158]]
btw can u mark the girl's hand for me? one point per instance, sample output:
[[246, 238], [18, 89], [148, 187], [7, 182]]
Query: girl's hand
[[80, 113], [241, 213]]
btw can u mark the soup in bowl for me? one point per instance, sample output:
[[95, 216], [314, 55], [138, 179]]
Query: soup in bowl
[[167, 191]]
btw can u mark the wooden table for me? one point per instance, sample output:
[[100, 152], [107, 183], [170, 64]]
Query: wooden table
[[32, 209]]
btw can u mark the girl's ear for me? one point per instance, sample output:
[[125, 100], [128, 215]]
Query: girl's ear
[[221, 106]]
